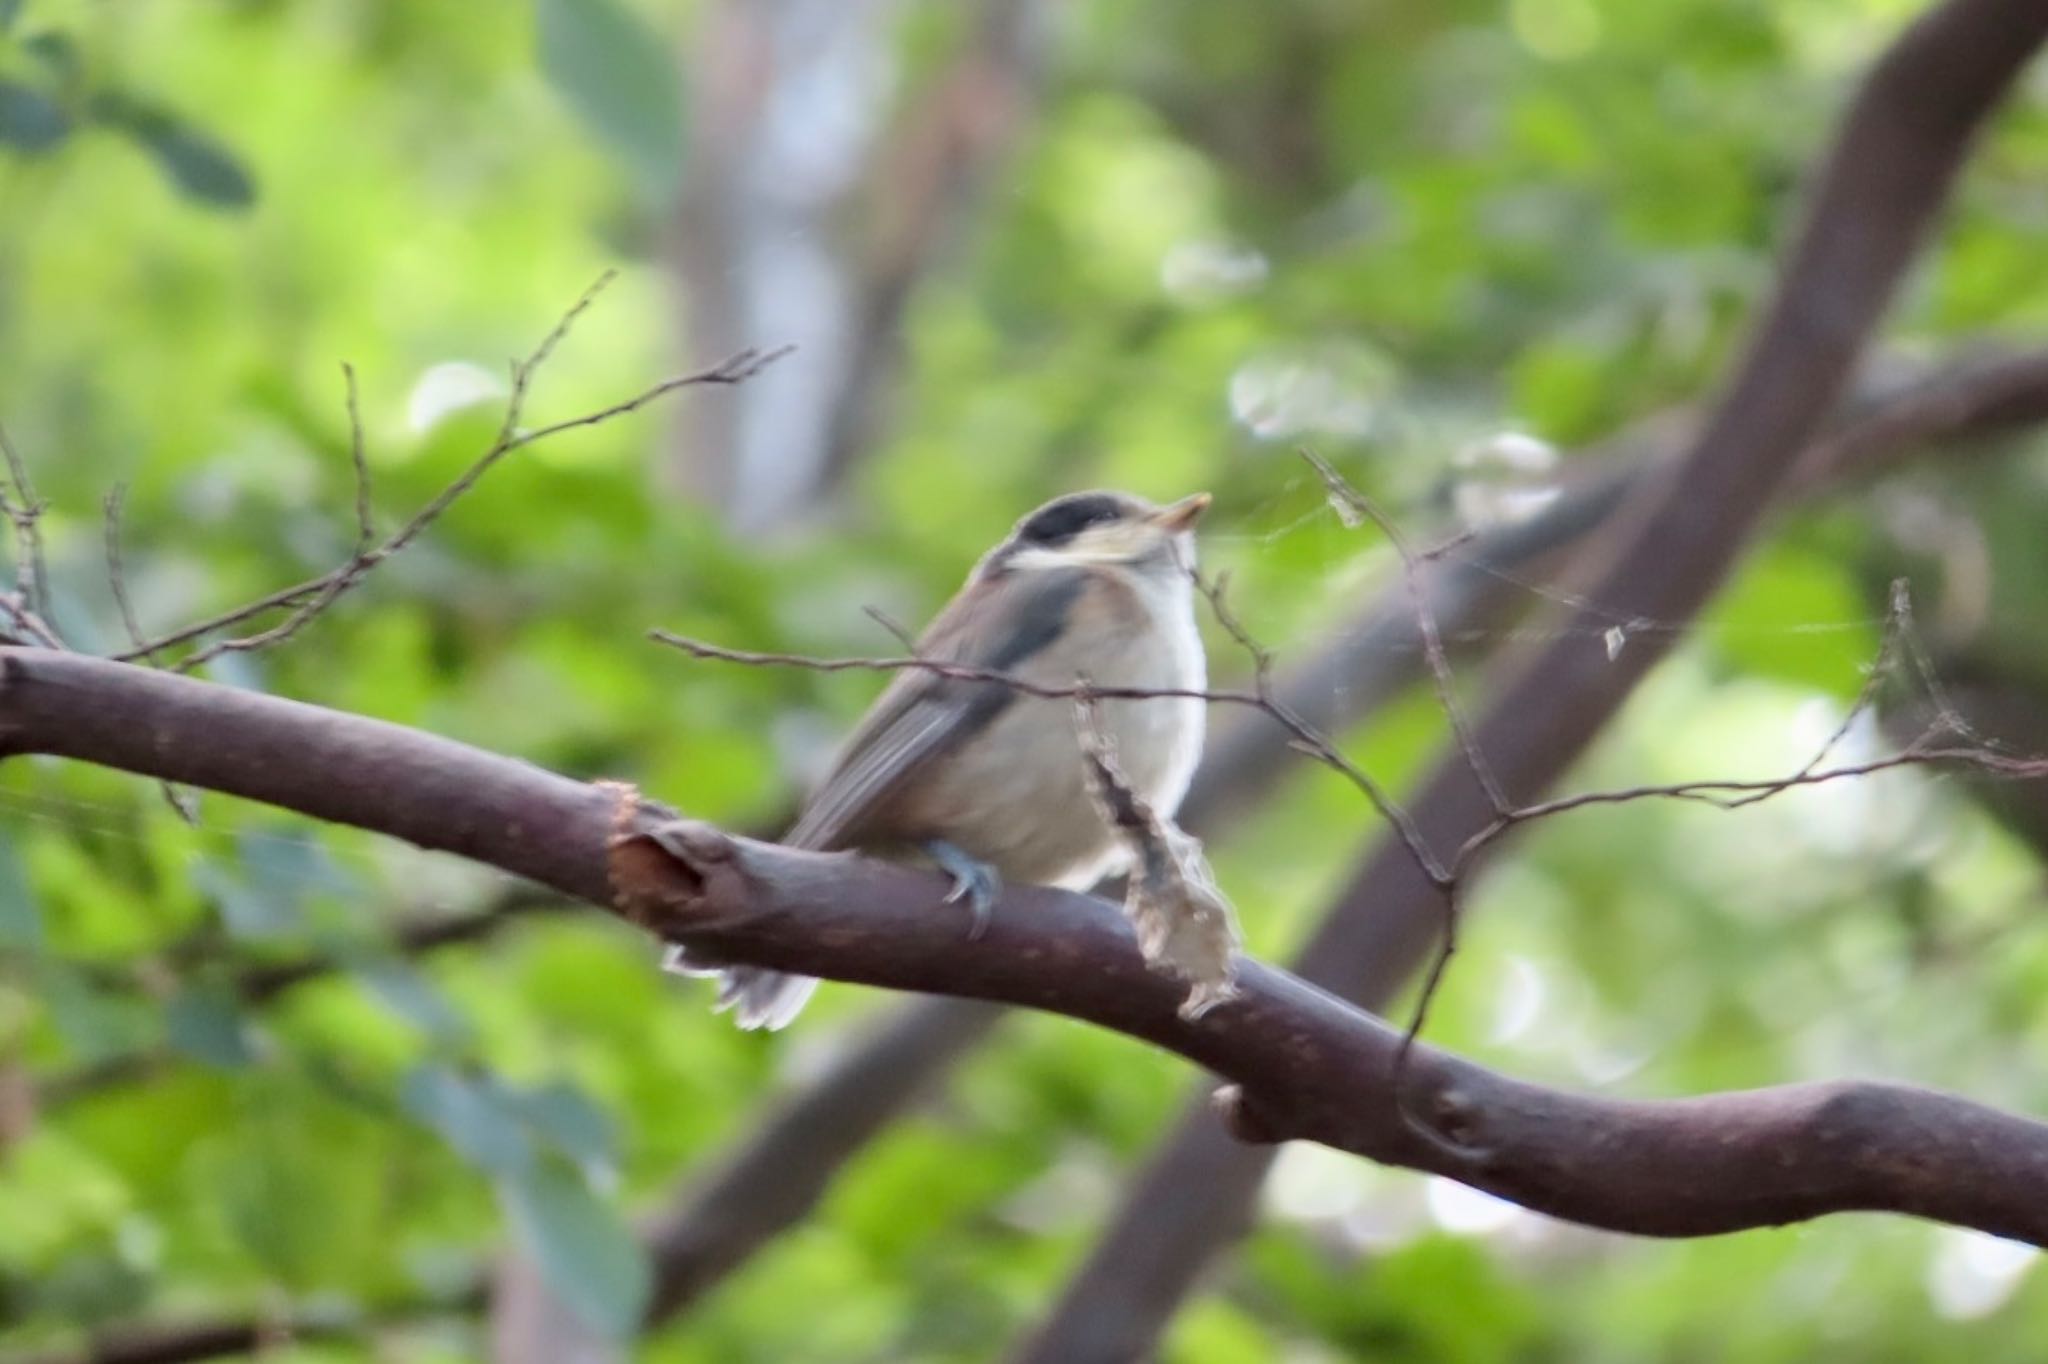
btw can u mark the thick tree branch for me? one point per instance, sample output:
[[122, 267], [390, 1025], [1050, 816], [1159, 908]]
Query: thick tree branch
[[1901, 146], [1305, 1064], [346, 769]]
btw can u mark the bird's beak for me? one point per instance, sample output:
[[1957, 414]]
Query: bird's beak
[[1182, 514]]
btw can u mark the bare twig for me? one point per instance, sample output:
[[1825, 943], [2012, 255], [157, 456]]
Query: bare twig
[[309, 599], [25, 510], [1307, 737], [366, 521], [897, 630], [1342, 490], [29, 602], [1506, 815], [182, 803], [1447, 880], [117, 573]]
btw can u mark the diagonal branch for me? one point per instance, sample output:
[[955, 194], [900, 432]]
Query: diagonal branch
[[719, 1217], [1901, 146]]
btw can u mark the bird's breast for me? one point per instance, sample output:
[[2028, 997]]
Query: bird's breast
[[1017, 796]]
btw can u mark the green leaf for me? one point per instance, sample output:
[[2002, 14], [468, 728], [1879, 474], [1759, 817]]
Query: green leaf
[[288, 864], [199, 166], [620, 77], [472, 1115], [586, 1251], [202, 168], [206, 1024], [564, 1115], [96, 1024], [10, 10], [250, 915], [21, 919], [411, 996], [30, 119], [55, 51]]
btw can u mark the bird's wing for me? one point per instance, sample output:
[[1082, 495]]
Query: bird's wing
[[996, 623]]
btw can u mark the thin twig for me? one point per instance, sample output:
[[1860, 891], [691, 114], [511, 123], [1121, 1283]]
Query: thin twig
[[29, 603], [182, 803], [350, 573], [897, 630], [25, 511], [1306, 737], [366, 522], [1897, 626], [309, 599], [117, 573], [1341, 489]]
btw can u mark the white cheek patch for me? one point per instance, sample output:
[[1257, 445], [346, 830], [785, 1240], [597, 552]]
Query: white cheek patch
[[1037, 557], [1119, 545]]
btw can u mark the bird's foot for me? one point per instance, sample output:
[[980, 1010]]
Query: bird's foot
[[974, 881]]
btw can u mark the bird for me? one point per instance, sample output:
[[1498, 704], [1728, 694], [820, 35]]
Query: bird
[[985, 782]]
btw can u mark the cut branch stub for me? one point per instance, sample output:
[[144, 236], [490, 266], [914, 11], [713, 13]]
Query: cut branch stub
[[663, 876]]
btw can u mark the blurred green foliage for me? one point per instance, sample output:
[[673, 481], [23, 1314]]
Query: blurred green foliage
[[1391, 230]]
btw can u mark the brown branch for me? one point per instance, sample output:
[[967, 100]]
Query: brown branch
[[771, 1179], [1306, 1065], [742, 1204], [1901, 145], [1371, 659], [1310, 1067]]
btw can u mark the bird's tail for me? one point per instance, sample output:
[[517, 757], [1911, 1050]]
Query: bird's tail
[[758, 998]]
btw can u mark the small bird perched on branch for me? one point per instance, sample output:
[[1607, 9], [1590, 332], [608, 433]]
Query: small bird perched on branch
[[989, 783]]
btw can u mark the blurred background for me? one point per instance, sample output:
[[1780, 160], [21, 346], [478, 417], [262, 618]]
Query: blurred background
[[1479, 255]]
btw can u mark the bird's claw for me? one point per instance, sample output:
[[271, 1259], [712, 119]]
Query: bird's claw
[[974, 881]]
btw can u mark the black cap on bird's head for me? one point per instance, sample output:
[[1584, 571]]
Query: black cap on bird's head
[[1097, 527], [1060, 520]]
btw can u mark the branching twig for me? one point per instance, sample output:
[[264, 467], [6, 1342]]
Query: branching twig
[[307, 600], [29, 602], [1307, 737], [1506, 815], [180, 802], [1341, 489]]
